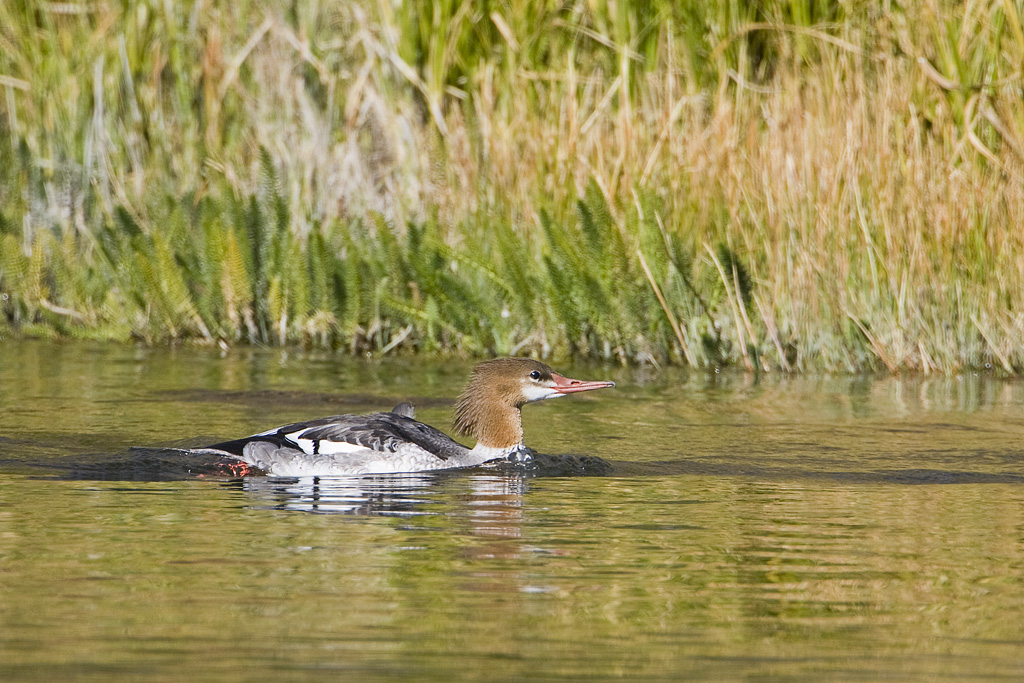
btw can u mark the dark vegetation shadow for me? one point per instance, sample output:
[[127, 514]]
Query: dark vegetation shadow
[[178, 464]]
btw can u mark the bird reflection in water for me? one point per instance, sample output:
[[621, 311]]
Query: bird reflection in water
[[486, 495]]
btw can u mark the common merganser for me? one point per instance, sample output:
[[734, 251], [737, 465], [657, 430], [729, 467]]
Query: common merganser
[[488, 410]]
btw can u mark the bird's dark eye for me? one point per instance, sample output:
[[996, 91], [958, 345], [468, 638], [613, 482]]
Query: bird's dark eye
[[535, 374]]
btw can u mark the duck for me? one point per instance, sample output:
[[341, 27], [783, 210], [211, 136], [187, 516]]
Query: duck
[[488, 410]]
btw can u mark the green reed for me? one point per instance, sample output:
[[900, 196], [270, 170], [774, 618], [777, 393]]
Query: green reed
[[784, 185]]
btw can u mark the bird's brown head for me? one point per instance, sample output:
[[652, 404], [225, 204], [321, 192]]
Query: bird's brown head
[[488, 408]]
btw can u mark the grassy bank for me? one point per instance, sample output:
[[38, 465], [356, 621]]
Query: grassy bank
[[786, 186]]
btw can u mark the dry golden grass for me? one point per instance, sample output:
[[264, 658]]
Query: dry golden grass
[[839, 191]]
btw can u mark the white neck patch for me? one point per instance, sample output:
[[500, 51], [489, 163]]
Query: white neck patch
[[538, 392]]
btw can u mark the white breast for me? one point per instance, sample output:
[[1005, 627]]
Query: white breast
[[343, 459]]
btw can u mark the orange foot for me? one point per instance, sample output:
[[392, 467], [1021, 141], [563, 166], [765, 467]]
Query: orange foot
[[239, 469]]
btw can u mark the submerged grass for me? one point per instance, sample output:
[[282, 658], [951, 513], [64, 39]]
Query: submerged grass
[[779, 185]]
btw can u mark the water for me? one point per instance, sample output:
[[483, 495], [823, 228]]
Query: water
[[775, 529]]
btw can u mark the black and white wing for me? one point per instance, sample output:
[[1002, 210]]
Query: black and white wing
[[342, 434]]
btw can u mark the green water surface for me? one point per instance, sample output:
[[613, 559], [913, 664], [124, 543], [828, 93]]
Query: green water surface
[[843, 528]]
